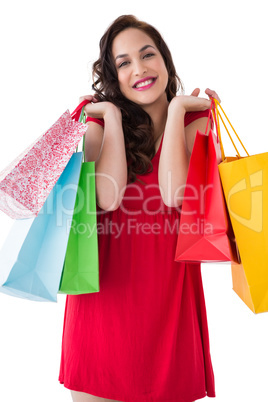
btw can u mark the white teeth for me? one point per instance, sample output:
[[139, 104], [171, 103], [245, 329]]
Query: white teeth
[[144, 83]]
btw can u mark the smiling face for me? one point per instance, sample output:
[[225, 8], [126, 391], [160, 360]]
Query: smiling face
[[142, 74]]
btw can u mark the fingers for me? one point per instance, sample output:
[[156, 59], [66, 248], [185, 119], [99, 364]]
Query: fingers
[[195, 92], [86, 97], [91, 98], [209, 92], [212, 94]]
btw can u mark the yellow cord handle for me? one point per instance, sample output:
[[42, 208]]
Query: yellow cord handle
[[218, 115]]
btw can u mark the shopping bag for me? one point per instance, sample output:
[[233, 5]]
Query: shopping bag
[[81, 266], [205, 233], [245, 185], [32, 257], [27, 181]]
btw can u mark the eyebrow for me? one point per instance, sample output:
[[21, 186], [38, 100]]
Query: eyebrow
[[141, 50]]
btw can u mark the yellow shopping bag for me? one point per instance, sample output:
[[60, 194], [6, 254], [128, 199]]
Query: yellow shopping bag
[[245, 185]]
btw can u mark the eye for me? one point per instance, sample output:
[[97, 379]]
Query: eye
[[124, 63], [148, 55]]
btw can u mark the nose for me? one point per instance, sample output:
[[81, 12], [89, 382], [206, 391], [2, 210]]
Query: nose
[[139, 68]]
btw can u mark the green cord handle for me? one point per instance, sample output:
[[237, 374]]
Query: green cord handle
[[82, 119]]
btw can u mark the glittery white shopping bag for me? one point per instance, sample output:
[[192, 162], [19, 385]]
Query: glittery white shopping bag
[[26, 182]]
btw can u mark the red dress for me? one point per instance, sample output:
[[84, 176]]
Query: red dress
[[144, 336]]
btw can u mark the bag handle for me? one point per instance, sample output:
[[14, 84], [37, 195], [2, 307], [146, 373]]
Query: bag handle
[[212, 116], [81, 118], [209, 116], [77, 112], [219, 116]]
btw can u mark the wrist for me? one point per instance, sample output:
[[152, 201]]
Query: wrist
[[112, 112], [177, 108]]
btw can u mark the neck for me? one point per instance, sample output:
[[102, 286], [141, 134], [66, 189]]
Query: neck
[[158, 113]]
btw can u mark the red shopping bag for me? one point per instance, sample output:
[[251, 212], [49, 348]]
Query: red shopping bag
[[205, 232], [27, 181]]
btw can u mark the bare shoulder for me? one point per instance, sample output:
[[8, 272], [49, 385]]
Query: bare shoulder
[[93, 141]]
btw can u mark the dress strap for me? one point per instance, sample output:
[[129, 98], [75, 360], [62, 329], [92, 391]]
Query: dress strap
[[192, 116]]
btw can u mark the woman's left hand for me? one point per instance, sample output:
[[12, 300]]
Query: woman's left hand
[[209, 92]]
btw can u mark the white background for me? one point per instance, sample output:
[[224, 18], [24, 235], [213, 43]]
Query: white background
[[46, 53]]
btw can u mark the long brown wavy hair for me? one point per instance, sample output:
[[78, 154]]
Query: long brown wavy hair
[[137, 124]]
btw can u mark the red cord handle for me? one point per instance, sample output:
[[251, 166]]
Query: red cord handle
[[76, 113]]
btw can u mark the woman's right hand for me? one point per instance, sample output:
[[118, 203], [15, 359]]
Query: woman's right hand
[[92, 98], [98, 109]]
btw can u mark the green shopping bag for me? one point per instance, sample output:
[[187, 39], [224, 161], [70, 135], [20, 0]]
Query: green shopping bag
[[81, 266]]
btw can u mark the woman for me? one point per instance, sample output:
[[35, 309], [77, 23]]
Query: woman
[[144, 336]]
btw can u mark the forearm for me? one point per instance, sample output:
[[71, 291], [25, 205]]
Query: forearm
[[174, 158], [111, 167]]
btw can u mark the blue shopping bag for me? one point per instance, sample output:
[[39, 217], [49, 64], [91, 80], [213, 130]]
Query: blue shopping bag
[[32, 258]]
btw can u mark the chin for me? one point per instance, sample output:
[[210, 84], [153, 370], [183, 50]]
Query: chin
[[150, 101]]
